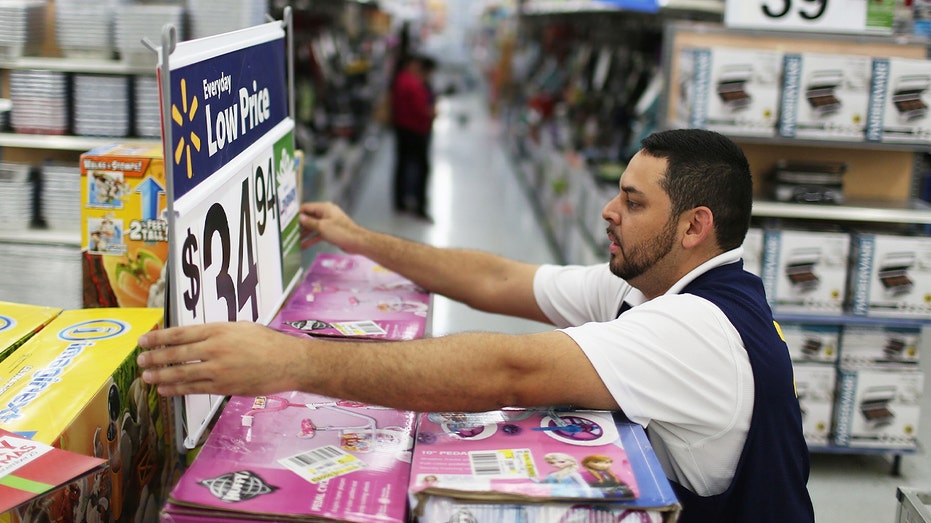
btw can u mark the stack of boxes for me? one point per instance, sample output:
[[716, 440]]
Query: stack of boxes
[[823, 96], [848, 305], [75, 385]]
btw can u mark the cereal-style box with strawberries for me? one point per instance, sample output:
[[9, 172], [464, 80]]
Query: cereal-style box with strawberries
[[124, 231]]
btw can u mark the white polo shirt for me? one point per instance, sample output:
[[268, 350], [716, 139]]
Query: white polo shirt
[[675, 365]]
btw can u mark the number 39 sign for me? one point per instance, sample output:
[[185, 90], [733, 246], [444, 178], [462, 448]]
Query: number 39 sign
[[233, 231], [825, 16]]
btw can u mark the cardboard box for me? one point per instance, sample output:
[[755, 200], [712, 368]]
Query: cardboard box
[[75, 385], [29, 470], [898, 110], [812, 342], [544, 464], [825, 96], [891, 276], [297, 456], [805, 271], [878, 406], [730, 90], [18, 322], [753, 251], [880, 344], [124, 235], [914, 506], [815, 383]]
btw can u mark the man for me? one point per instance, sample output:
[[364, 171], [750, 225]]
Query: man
[[412, 110], [672, 331]]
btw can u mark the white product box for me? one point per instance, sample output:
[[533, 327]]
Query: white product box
[[880, 344], [898, 110], [878, 406], [891, 276], [815, 384], [805, 271], [914, 506], [731, 90], [811, 343], [753, 251], [824, 96]]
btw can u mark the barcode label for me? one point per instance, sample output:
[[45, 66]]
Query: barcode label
[[359, 328], [503, 464], [322, 463]]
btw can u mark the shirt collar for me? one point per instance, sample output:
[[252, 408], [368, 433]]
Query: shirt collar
[[724, 258]]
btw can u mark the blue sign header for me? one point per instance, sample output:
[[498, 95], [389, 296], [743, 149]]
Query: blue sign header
[[221, 106]]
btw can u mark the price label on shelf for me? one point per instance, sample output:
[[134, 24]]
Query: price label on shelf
[[233, 231], [823, 16]]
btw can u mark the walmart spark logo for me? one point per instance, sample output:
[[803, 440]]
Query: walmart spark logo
[[183, 148]]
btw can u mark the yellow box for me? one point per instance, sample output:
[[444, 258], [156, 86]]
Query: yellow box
[[76, 385], [124, 233], [19, 321]]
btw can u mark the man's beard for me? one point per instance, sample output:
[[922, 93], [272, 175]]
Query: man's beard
[[632, 262]]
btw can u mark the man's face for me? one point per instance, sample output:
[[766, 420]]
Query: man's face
[[640, 227]]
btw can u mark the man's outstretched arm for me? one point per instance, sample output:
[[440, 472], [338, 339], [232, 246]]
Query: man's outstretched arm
[[479, 279], [462, 372]]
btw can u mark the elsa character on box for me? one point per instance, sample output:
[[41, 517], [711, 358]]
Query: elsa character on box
[[566, 478]]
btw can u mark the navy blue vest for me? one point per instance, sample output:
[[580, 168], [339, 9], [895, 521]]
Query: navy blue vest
[[770, 483]]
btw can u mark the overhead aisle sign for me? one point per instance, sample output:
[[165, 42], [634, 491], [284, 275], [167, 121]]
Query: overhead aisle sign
[[234, 236]]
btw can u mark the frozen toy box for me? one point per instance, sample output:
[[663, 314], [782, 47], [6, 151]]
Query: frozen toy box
[[527, 459]]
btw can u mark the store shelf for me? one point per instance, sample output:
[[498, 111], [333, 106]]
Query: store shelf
[[42, 237], [876, 211], [850, 319], [544, 7], [65, 142], [832, 144], [79, 65]]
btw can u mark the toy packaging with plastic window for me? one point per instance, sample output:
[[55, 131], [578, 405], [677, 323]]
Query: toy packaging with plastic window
[[75, 385], [299, 457], [124, 235]]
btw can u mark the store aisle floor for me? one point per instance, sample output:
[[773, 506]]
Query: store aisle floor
[[477, 202]]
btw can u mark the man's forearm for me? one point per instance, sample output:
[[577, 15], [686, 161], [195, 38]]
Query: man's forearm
[[464, 372], [479, 279]]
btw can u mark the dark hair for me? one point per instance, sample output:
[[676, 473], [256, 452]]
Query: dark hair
[[705, 168]]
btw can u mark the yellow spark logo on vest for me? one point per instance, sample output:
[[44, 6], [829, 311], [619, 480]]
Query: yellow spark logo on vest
[[183, 148]]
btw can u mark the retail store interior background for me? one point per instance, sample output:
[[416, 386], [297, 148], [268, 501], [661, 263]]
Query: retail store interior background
[[484, 192]]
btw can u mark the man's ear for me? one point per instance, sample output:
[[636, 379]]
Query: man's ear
[[700, 227]]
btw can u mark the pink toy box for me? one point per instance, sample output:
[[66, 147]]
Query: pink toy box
[[299, 457], [515, 460], [348, 296]]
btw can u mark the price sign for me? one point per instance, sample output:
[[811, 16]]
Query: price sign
[[234, 236], [824, 16], [230, 248]]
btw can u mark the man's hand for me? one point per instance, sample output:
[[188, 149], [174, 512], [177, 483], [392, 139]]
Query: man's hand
[[243, 358], [325, 221]]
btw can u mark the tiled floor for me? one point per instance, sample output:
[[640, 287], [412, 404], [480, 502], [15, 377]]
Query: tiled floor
[[476, 202]]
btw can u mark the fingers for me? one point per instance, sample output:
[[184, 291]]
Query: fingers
[[175, 346]]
